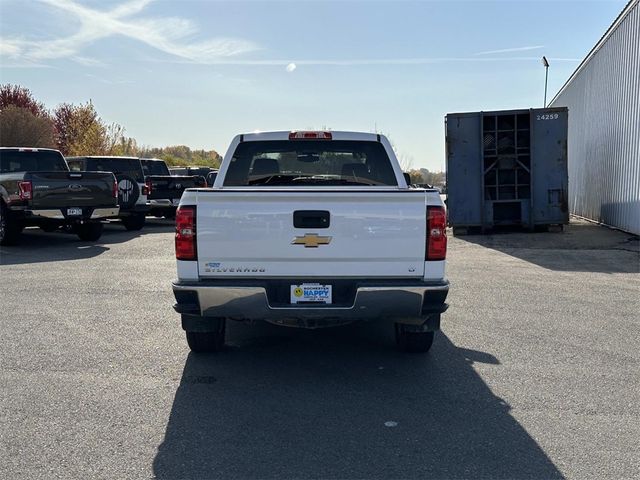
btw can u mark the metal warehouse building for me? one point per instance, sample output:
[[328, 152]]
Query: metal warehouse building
[[603, 96]]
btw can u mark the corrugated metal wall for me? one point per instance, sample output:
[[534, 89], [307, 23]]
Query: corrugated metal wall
[[603, 97]]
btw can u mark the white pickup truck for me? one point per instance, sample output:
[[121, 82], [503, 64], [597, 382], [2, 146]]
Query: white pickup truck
[[310, 229]]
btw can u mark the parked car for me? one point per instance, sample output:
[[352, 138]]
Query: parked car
[[165, 189], [37, 189], [132, 191], [310, 229]]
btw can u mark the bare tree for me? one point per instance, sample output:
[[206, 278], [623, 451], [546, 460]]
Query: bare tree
[[21, 128]]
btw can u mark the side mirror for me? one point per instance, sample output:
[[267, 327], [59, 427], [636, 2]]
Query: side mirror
[[407, 178]]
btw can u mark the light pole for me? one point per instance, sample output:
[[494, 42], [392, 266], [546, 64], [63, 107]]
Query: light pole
[[545, 62]]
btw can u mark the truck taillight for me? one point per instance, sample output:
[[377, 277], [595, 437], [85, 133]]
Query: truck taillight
[[186, 233], [436, 234], [25, 190], [115, 188], [146, 190]]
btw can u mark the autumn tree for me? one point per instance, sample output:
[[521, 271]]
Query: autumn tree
[[21, 97], [21, 128], [80, 131], [24, 122], [181, 155]]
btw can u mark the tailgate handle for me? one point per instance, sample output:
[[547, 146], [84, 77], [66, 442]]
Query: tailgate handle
[[311, 219]]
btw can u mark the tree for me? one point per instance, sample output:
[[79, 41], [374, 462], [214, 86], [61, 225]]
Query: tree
[[433, 178], [181, 155], [119, 144], [23, 98], [80, 131], [19, 127], [416, 177]]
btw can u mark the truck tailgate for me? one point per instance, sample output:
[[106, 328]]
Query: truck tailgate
[[171, 187], [77, 189], [251, 233]]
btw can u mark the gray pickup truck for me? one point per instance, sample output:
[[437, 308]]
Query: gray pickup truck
[[37, 189]]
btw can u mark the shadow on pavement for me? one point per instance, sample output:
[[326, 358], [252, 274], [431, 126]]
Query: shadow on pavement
[[581, 247], [286, 403], [35, 246]]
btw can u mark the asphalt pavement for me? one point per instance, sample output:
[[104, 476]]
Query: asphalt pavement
[[534, 375]]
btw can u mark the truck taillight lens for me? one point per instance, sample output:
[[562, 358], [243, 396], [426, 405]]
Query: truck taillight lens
[[115, 189], [146, 190], [25, 190], [186, 233], [436, 234]]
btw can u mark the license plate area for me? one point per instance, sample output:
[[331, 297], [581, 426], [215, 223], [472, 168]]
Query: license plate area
[[74, 212], [311, 293]]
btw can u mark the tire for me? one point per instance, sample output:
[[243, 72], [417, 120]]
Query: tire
[[413, 342], [134, 222], [9, 230], [89, 232], [207, 342], [128, 191]]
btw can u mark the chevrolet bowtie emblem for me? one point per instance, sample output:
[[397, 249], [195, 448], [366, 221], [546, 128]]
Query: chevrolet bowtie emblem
[[311, 240]]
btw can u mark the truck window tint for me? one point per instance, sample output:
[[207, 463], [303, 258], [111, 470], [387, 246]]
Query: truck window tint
[[310, 163], [153, 167], [40, 161], [124, 166]]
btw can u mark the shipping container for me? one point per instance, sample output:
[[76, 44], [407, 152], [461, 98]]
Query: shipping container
[[603, 96], [507, 168]]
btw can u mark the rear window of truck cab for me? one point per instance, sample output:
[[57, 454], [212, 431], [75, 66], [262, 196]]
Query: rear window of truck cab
[[118, 166], [310, 163], [31, 161], [154, 167]]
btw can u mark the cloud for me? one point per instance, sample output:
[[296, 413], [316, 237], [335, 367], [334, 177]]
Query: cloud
[[291, 67], [384, 61], [169, 35], [88, 62], [511, 50]]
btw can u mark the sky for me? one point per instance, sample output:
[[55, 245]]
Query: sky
[[198, 72]]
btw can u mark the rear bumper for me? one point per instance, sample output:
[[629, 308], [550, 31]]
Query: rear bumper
[[57, 214], [134, 210], [409, 302], [164, 203]]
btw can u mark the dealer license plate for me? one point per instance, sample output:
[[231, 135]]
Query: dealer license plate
[[310, 292], [74, 211]]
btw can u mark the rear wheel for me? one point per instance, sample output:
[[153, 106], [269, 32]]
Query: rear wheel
[[412, 341], [208, 342], [9, 229], [134, 222], [89, 232]]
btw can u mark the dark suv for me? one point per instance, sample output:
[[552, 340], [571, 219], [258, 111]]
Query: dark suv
[[132, 191]]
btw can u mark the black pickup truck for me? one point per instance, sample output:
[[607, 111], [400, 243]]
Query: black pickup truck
[[165, 189], [37, 189]]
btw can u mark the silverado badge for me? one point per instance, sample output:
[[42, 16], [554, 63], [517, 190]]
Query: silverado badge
[[311, 240]]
